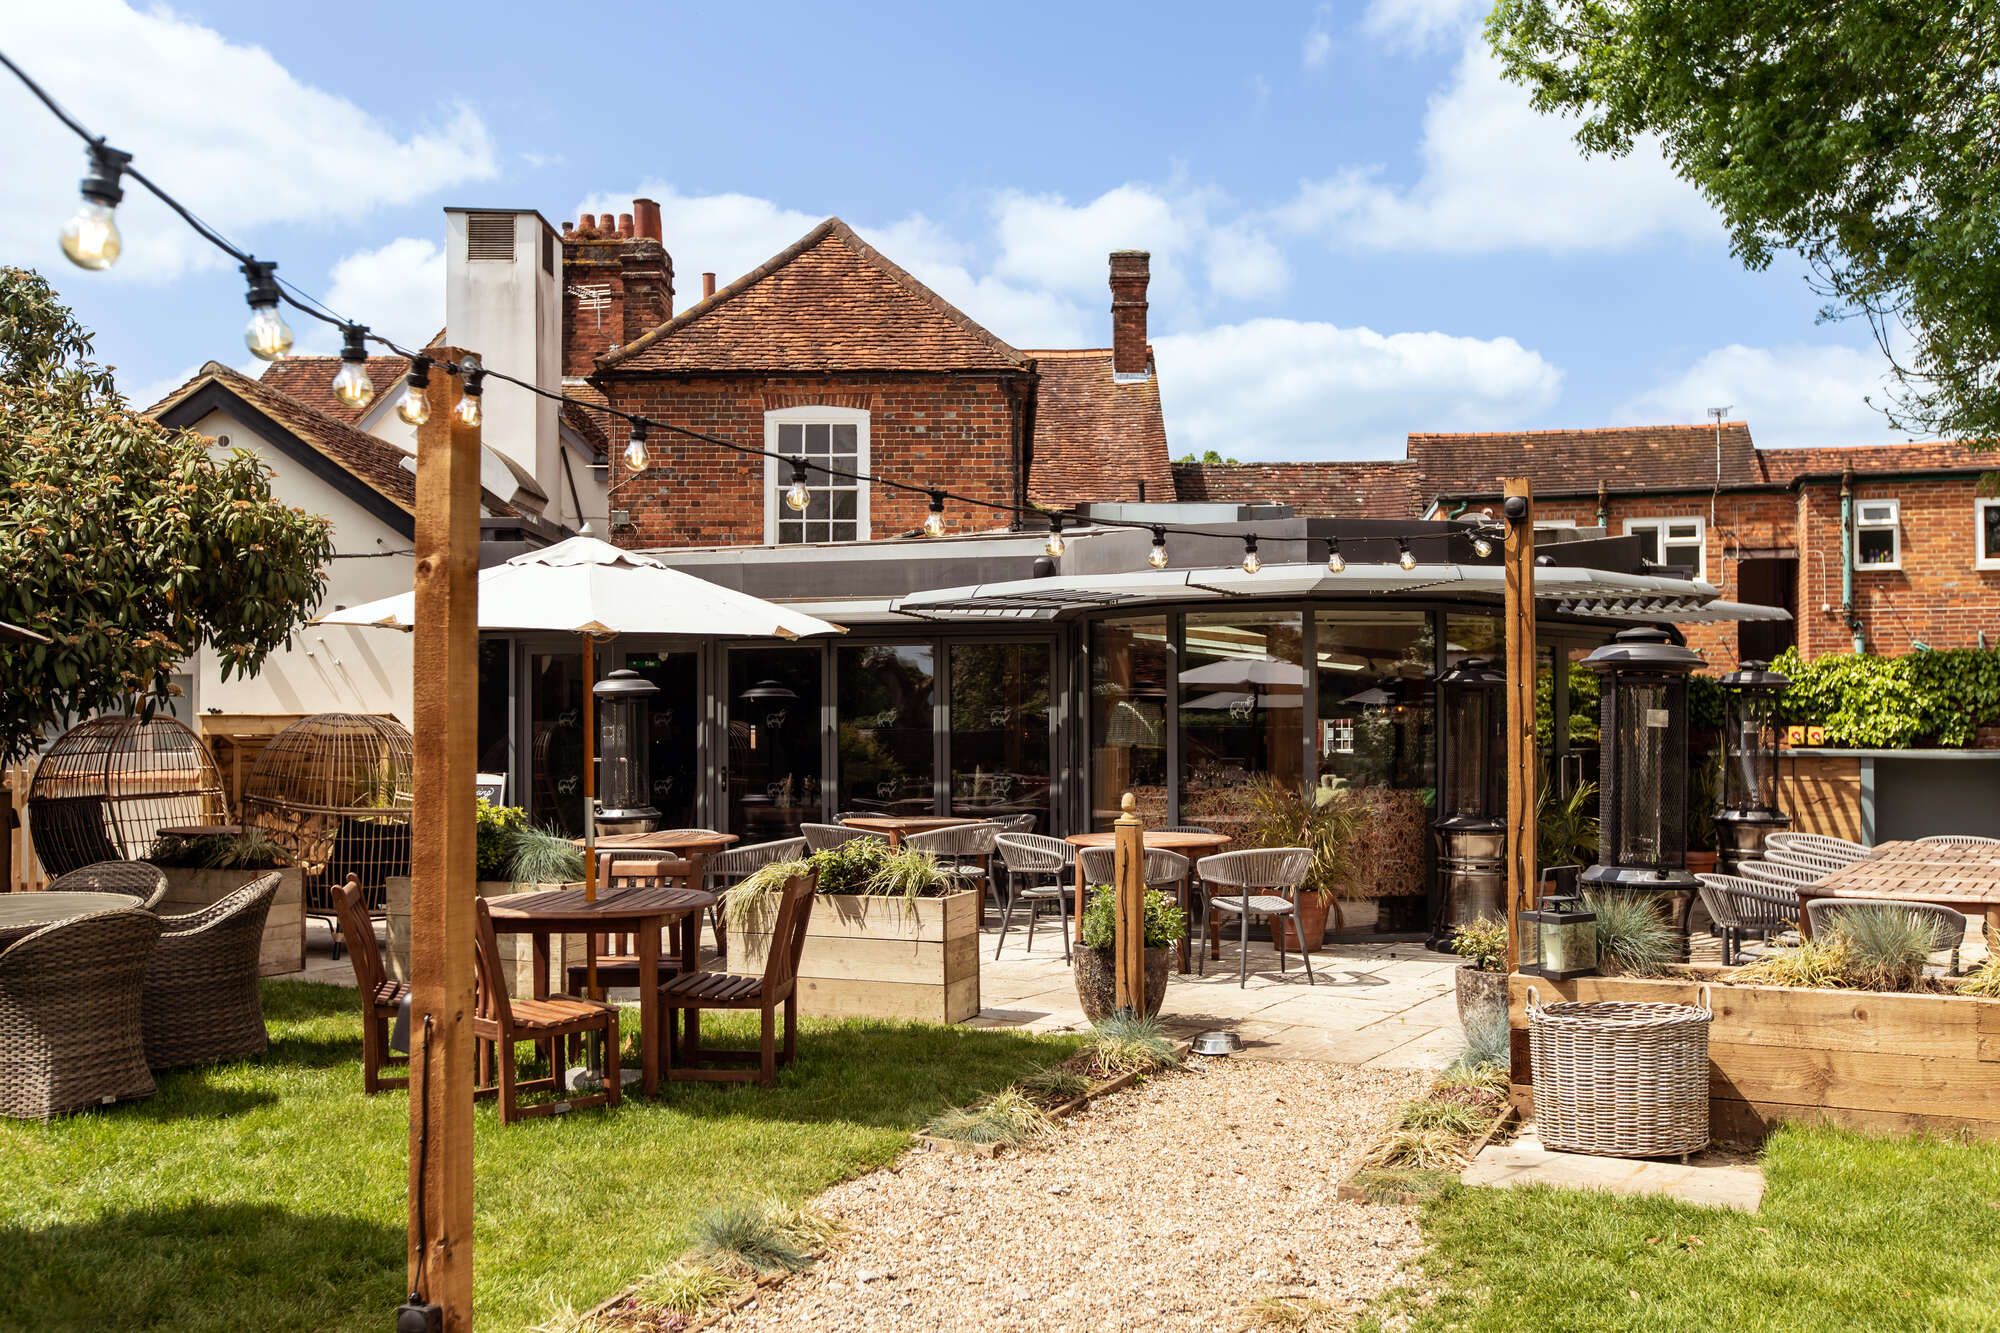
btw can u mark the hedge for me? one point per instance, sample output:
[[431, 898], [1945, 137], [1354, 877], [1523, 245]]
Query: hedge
[[1868, 702]]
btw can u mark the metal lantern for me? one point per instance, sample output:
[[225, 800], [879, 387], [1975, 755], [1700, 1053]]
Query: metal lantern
[[1562, 933], [1472, 794], [625, 760], [1749, 763]]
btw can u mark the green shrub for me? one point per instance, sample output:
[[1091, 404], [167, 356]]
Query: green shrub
[[1327, 822], [687, 1289], [1930, 698], [248, 849], [1485, 1041], [1484, 942], [763, 1236], [1815, 963], [542, 856], [1461, 1118], [1632, 935], [850, 867], [1132, 1044], [495, 827], [1887, 947], [1053, 1085], [1566, 828], [1008, 1118], [1166, 923]]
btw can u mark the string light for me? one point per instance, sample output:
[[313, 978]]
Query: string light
[[635, 447], [91, 238], [1336, 563], [351, 384], [266, 335], [1251, 562], [1481, 545], [797, 495], [934, 518], [1054, 545], [467, 411], [1404, 556], [415, 407], [1157, 557]]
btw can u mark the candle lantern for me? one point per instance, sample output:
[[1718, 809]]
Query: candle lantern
[[625, 760], [1750, 810], [1472, 795], [1562, 933]]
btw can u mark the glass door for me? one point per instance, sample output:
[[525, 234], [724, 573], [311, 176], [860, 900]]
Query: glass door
[[555, 740], [1000, 731], [774, 770], [672, 728], [888, 752]]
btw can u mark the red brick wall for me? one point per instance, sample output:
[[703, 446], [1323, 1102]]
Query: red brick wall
[[954, 431]]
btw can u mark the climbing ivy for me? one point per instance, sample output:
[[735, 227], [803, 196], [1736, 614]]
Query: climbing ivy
[[1869, 702]]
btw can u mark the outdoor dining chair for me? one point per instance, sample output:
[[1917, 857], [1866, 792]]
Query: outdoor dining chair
[[826, 837], [1263, 882], [1820, 865], [1947, 926], [733, 865], [1021, 823], [1778, 875], [1163, 870], [1038, 873], [381, 997], [1962, 839], [1817, 844], [684, 1055], [964, 850], [500, 1022], [136, 879], [202, 1001], [617, 953], [1740, 906], [71, 1035]]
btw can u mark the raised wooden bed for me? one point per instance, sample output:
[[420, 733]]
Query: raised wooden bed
[[872, 957], [517, 952], [1861, 1059], [283, 951]]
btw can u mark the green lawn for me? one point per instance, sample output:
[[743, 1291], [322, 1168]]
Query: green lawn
[[270, 1194], [1854, 1233]]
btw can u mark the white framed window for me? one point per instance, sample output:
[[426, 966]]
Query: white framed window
[[1986, 533], [824, 437], [1681, 543], [1878, 534]]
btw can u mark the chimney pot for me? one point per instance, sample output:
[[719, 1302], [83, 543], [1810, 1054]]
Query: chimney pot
[[707, 285], [1131, 271], [607, 223], [568, 227], [625, 226], [646, 216]]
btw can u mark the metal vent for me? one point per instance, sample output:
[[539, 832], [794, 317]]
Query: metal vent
[[489, 236]]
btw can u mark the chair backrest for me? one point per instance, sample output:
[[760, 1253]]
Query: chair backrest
[[788, 933], [1962, 839], [1792, 856], [825, 837], [974, 840], [490, 998], [1033, 854], [137, 879], [1187, 828], [1100, 866], [633, 870], [1021, 823], [1257, 868], [71, 832], [1779, 874], [1947, 926], [1816, 844], [736, 862], [100, 957], [350, 907], [1744, 903], [244, 910]]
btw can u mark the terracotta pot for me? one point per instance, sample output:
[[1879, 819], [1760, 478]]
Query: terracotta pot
[[1313, 911], [1700, 863], [1097, 983], [1482, 998]]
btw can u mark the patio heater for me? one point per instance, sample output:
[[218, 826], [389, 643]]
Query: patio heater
[[1749, 764], [1642, 799], [625, 760], [1471, 825]]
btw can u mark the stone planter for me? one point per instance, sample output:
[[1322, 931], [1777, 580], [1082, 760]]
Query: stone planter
[[517, 952], [874, 957], [1482, 999], [1355, 916], [1097, 982], [284, 948]]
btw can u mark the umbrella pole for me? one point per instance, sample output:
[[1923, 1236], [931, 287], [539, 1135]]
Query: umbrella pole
[[589, 807]]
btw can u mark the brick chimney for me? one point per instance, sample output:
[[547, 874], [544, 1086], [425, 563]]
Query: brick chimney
[[617, 282], [1130, 272]]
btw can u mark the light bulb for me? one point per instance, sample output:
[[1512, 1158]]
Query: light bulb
[[467, 410], [415, 407], [1054, 545], [1336, 563], [267, 335], [1157, 557], [797, 496], [1251, 564], [352, 386], [91, 239], [1482, 546], [934, 523], [1406, 558], [635, 452]]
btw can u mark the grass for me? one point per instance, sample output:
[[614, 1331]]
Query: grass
[[1009, 1118], [270, 1193], [762, 1236], [1126, 1044], [1854, 1233]]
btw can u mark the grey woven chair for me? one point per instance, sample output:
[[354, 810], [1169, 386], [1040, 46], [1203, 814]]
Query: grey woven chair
[[733, 865], [1021, 823], [1038, 873], [1740, 906], [1791, 856], [825, 837], [137, 879], [966, 850], [1817, 844], [1776, 874], [71, 1035], [1164, 870], [1962, 839], [202, 1000], [1947, 926], [1186, 828], [1234, 881]]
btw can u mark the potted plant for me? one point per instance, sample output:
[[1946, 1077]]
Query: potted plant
[[1633, 937], [1327, 821], [1704, 803], [1096, 968], [204, 868], [1482, 982], [1566, 827]]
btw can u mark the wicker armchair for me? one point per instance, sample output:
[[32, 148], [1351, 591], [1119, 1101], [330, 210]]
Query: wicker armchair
[[136, 879], [1739, 906], [1038, 872], [1817, 844], [70, 1006], [1779, 875], [1947, 926], [966, 850], [1233, 880], [826, 837], [1962, 839], [1822, 866], [202, 1000], [730, 867]]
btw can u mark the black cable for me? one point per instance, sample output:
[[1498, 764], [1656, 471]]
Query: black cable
[[423, 1158]]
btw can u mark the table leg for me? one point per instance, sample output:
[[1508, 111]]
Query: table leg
[[1184, 891], [539, 985], [648, 950], [1081, 900]]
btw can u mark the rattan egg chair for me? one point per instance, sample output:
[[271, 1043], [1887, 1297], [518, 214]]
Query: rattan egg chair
[[108, 786]]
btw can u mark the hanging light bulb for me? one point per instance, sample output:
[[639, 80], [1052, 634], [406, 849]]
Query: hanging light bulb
[[1157, 557], [1054, 545], [266, 335], [1481, 545], [1251, 562], [797, 495], [1404, 556], [468, 411], [1336, 563], [91, 238], [934, 518], [415, 406], [635, 447], [352, 385]]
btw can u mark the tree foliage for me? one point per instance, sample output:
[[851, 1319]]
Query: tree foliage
[[1864, 701], [1859, 134], [130, 545]]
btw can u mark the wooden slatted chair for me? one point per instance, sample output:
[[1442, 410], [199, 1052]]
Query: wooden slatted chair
[[380, 996], [684, 1055], [500, 1022], [617, 954]]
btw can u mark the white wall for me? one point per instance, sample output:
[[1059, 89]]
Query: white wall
[[510, 312]]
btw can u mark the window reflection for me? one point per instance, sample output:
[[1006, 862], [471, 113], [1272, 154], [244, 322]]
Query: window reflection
[[1375, 739], [1129, 674], [1243, 689], [886, 754], [774, 741], [1000, 731]]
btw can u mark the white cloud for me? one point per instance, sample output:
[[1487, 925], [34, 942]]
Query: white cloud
[[398, 289], [1418, 25], [1495, 174], [1294, 389], [234, 135], [1318, 44], [1792, 395], [1048, 241]]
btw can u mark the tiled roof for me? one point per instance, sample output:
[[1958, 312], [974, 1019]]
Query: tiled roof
[[1313, 490], [1096, 439], [1573, 462], [587, 424], [1786, 465], [309, 380], [829, 302]]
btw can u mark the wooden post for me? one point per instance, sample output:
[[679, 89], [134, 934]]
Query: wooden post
[[1522, 761], [590, 783], [442, 864], [1129, 890]]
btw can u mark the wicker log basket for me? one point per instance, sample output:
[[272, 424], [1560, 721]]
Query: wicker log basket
[[1621, 1078]]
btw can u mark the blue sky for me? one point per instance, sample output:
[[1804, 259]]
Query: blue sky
[[1358, 230]]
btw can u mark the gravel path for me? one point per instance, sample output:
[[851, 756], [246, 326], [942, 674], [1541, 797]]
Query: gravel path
[[1116, 1224]]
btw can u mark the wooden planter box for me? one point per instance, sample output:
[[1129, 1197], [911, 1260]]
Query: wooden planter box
[[881, 957], [284, 948], [1864, 1060], [517, 952]]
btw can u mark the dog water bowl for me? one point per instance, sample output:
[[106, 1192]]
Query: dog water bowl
[[1217, 1043]]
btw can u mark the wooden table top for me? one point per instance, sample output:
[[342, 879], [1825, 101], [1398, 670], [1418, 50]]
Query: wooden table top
[[1957, 855], [25, 913], [900, 824], [1160, 838], [568, 907], [665, 840], [1936, 872]]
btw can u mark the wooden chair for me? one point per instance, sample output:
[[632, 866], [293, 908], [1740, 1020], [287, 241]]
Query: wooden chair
[[695, 991], [500, 1022], [617, 954], [380, 997]]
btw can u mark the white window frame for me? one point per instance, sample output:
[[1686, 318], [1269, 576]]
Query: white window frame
[[1893, 524], [1661, 528], [778, 475], [1980, 560]]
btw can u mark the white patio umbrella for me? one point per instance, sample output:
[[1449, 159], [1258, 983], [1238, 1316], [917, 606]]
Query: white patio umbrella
[[8, 631]]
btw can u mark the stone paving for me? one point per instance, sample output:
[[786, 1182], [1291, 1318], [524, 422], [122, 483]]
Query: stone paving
[[1715, 1179]]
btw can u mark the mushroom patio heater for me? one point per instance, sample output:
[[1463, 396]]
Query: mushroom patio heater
[[1750, 810], [1471, 827], [625, 778], [1642, 800]]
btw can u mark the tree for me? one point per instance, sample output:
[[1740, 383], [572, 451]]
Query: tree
[[1860, 134], [128, 544], [1206, 456]]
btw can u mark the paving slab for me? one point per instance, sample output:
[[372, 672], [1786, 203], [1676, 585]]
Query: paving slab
[[1711, 1179]]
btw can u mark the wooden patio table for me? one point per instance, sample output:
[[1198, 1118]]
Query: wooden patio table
[[694, 846], [1962, 876], [1193, 846], [897, 827], [22, 914], [641, 912]]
